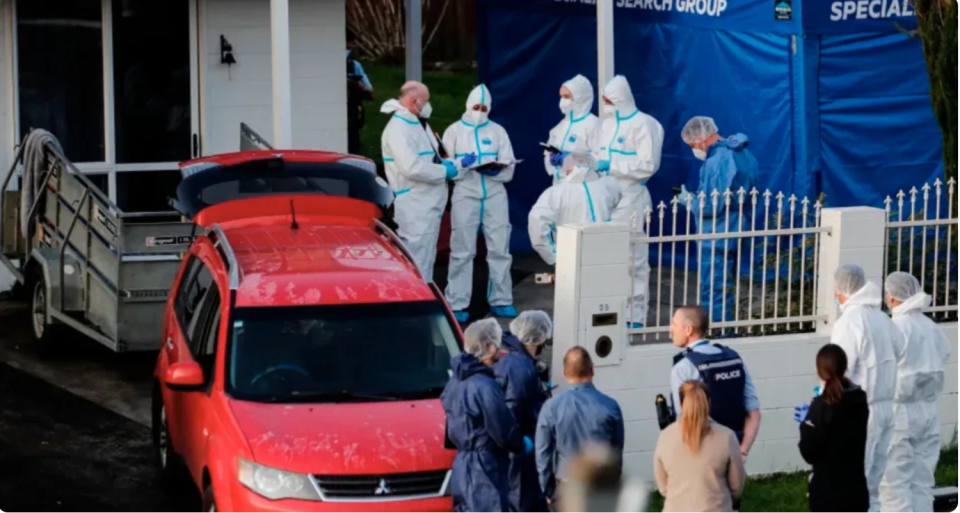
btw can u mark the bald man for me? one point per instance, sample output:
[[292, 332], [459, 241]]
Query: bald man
[[579, 416], [416, 172]]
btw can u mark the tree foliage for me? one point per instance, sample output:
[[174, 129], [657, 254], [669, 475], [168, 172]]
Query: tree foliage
[[938, 32], [379, 26]]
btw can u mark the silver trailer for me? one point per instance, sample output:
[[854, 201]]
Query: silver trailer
[[85, 265]]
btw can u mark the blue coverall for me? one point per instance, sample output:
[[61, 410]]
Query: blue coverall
[[484, 432], [729, 165], [517, 371]]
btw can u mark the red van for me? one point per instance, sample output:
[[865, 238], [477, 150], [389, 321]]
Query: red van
[[304, 354]]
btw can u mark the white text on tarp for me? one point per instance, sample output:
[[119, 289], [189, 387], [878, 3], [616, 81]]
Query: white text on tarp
[[697, 7], [869, 9]]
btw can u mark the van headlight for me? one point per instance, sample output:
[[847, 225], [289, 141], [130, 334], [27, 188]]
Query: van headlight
[[276, 484]]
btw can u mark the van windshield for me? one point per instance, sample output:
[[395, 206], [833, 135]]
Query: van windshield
[[334, 354]]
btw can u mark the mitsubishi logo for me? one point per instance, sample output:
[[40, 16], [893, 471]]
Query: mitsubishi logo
[[382, 489]]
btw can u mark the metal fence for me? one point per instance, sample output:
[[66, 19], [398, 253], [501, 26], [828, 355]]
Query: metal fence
[[921, 241], [756, 260]]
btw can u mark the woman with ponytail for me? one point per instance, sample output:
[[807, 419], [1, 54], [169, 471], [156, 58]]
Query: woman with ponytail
[[697, 462], [833, 437]]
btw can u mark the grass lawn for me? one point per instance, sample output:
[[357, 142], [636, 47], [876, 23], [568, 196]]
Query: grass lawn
[[788, 492], [448, 95]]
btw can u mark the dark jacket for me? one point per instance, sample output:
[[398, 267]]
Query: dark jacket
[[833, 439], [484, 432], [517, 371]]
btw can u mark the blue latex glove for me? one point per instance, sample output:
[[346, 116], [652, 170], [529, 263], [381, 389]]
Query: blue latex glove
[[800, 412], [527, 445], [468, 160], [451, 169], [549, 385], [556, 159], [603, 166]]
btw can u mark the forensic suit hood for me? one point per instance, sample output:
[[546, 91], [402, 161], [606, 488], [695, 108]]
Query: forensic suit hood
[[484, 432], [915, 447], [575, 133], [873, 345]]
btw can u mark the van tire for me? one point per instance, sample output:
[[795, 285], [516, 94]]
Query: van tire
[[209, 501], [47, 336]]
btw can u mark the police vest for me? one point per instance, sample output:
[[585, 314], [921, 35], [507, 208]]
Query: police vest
[[726, 378]]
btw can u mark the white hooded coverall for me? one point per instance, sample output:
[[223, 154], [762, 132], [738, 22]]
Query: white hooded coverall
[[908, 481], [632, 142], [420, 185], [479, 202], [576, 132], [583, 197], [873, 345]]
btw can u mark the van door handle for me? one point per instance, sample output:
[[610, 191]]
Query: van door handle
[[170, 344]]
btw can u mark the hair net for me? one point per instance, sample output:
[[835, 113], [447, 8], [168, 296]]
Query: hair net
[[532, 327], [479, 336], [902, 286], [848, 279], [699, 129], [579, 159]]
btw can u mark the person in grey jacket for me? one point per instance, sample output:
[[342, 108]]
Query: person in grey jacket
[[578, 416]]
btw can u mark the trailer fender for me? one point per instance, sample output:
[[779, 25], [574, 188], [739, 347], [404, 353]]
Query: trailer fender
[[46, 262]]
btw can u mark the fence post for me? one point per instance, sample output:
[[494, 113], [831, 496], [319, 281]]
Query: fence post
[[857, 236], [591, 293]]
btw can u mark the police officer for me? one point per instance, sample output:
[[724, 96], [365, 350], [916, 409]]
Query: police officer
[[359, 90], [733, 398]]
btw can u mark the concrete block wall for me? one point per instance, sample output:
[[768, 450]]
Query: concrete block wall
[[782, 368], [243, 92]]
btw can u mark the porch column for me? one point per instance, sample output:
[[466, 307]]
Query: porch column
[[414, 50], [604, 43], [280, 45]]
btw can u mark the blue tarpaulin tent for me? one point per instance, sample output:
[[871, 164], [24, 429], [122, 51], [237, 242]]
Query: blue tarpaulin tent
[[833, 93]]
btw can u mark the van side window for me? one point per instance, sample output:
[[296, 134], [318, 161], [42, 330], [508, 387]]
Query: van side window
[[196, 282], [206, 347]]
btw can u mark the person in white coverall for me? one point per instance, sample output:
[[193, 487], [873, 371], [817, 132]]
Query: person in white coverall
[[908, 480], [479, 203], [576, 132], [873, 345], [627, 148], [581, 197], [419, 183]]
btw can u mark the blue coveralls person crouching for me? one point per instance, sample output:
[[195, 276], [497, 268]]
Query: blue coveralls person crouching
[[479, 425], [727, 165], [733, 397], [579, 416], [517, 372]]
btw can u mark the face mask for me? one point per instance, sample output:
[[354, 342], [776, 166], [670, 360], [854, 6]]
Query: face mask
[[699, 154], [566, 105], [425, 110], [609, 110], [476, 117]]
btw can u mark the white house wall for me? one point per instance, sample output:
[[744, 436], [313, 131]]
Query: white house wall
[[243, 92], [782, 368]]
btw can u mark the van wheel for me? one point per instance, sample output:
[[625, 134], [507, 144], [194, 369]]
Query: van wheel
[[172, 471], [209, 501], [45, 335]]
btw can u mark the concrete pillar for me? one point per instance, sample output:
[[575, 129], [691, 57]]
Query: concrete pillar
[[857, 236], [605, 60], [591, 292], [280, 46], [414, 49]]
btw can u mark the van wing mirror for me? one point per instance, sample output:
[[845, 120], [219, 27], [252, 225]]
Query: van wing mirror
[[184, 376]]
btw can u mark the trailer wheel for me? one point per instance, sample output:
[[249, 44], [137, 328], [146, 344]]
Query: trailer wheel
[[45, 335]]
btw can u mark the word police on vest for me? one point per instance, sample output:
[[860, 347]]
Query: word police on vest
[[723, 376], [869, 9]]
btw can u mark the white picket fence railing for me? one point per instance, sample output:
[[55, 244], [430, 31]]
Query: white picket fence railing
[[769, 247], [922, 242]]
